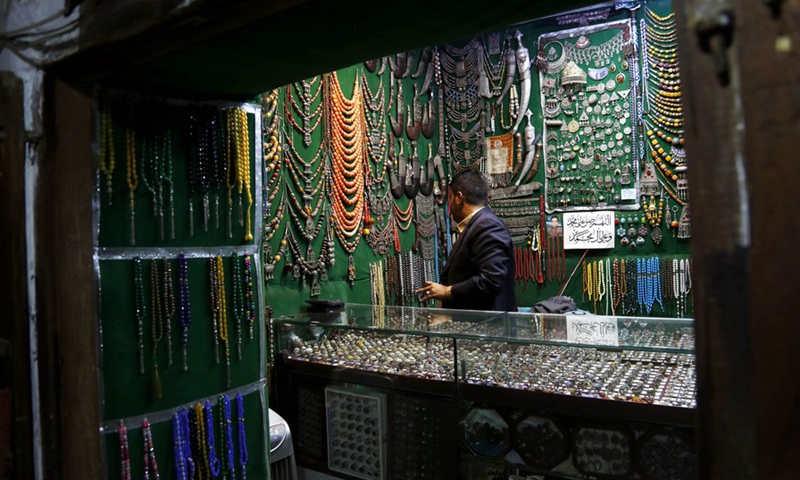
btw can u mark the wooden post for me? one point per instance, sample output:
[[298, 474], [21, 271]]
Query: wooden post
[[742, 141]]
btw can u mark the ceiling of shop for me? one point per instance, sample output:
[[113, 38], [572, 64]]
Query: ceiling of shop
[[212, 56]]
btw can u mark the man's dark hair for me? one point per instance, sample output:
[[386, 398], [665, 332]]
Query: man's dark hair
[[472, 185]]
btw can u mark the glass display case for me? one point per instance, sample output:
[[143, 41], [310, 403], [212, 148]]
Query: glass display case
[[407, 341], [635, 359]]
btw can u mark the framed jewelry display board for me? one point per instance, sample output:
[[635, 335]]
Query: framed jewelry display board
[[588, 79], [180, 287]]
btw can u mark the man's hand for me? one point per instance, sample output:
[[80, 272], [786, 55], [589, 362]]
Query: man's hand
[[434, 291]]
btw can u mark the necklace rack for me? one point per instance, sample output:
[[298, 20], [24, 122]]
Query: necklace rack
[[140, 308], [107, 153], [346, 128], [132, 177], [157, 324], [184, 307]]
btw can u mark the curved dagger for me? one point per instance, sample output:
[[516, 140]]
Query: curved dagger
[[426, 186], [399, 124], [512, 70], [524, 68]]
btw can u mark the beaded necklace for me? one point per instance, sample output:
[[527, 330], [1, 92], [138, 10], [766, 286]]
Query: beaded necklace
[[226, 438], [149, 452], [213, 282], [124, 452], [307, 98], [223, 316], [107, 153], [181, 464], [217, 167], [249, 296], [239, 313], [231, 148], [211, 449], [167, 173], [196, 446], [242, 436], [315, 269], [184, 306], [140, 308], [132, 177], [157, 324], [203, 469], [169, 305], [346, 182], [243, 169]]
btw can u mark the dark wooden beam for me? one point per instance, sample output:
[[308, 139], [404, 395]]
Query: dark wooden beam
[[67, 286], [13, 282], [741, 141]]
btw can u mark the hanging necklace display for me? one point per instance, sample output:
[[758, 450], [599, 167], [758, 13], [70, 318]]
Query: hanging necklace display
[[124, 453], [249, 296], [376, 130], [169, 305], [495, 71], [231, 148], [242, 436], [202, 463], [227, 467], [184, 307], [223, 315], [151, 167], [107, 153], [207, 416], [346, 127], [214, 168], [140, 308], [132, 177], [150, 464], [239, 312], [426, 227], [243, 172], [213, 288], [167, 173], [311, 267], [157, 325], [307, 99]]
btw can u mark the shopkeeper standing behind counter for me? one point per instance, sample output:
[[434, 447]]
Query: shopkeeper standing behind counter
[[479, 273]]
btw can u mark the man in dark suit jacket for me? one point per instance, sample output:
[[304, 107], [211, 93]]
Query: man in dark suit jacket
[[479, 273]]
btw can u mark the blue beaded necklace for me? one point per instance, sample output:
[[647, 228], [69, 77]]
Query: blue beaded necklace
[[242, 436], [213, 461]]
